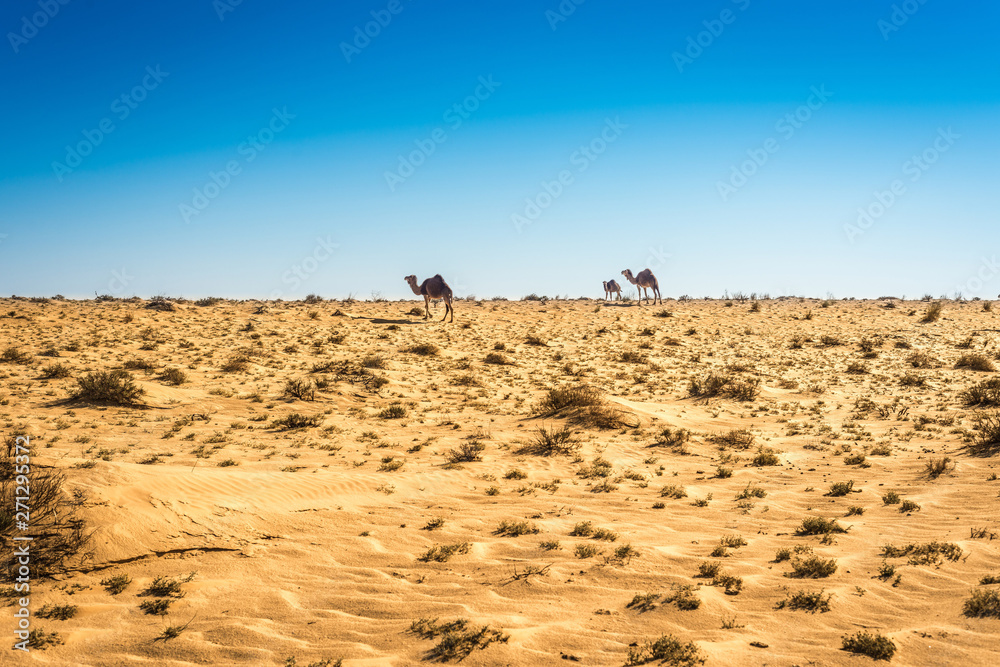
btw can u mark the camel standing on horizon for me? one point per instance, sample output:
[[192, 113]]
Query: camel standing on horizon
[[645, 280], [433, 288], [612, 287]]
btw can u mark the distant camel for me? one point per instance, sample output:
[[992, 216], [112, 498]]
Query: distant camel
[[612, 287], [645, 280], [433, 288]]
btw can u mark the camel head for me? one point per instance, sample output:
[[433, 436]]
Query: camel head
[[605, 285], [628, 274], [412, 280]]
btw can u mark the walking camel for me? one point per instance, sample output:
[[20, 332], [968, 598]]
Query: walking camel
[[433, 288], [612, 287], [645, 280]]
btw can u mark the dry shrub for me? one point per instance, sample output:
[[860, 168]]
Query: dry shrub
[[584, 405], [108, 388], [60, 535]]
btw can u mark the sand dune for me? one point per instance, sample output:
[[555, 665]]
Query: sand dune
[[316, 543]]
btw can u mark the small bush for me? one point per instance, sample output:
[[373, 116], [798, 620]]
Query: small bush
[[116, 584], [811, 601], [765, 457], [668, 650], [12, 355], [933, 313], [816, 525], [986, 393], [467, 452], [393, 411], [890, 498], [296, 421], [551, 442], [108, 388], [873, 645], [909, 506], [496, 359], [238, 363], [442, 553], [300, 388], [813, 567], [840, 489], [983, 603], [56, 371], [975, 362], [59, 612], [173, 376], [937, 467], [515, 529], [422, 349]]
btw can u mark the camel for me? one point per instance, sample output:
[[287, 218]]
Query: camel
[[645, 280], [612, 287], [433, 288]]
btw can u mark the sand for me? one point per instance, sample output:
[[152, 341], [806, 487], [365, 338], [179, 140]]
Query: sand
[[307, 543]]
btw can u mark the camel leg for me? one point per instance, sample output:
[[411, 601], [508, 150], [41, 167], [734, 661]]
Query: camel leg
[[427, 307], [447, 307]]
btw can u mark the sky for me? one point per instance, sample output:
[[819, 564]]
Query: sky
[[253, 149]]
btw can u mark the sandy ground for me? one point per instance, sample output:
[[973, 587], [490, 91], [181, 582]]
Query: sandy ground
[[307, 543]]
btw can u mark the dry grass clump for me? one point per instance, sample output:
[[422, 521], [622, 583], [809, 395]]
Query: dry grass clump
[[670, 437], [816, 525], [442, 553], [920, 360], [937, 467], [467, 452], [584, 405], [422, 349], [297, 421], [984, 603], [975, 362], [667, 650], [515, 528], [933, 313], [300, 388], [984, 394], [931, 553], [838, 489], [986, 439], [812, 567], [173, 376], [873, 645], [811, 601], [56, 371], [737, 438], [12, 355], [550, 442], [238, 363], [458, 638], [108, 388], [60, 537], [727, 386]]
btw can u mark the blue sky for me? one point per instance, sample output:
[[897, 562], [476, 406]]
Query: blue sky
[[266, 150]]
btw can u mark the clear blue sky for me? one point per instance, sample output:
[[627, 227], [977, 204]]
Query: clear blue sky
[[671, 100]]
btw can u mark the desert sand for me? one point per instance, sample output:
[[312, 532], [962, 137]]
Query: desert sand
[[462, 488]]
